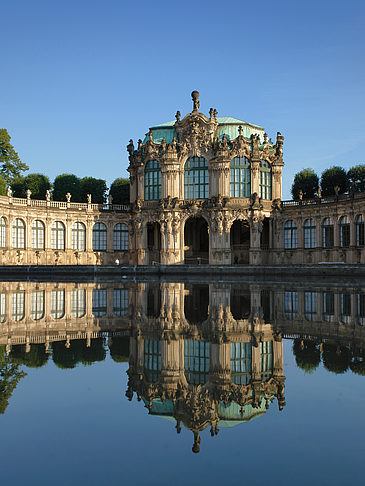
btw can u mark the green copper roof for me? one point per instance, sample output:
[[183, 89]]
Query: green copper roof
[[222, 120]]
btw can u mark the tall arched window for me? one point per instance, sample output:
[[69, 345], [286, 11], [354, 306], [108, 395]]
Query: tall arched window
[[78, 236], [196, 178], [265, 180], [37, 305], [344, 228], [309, 233], [360, 240], [99, 237], [152, 181], [57, 303], [240, 177], [78, 303], [327, 233], [19, 234], [2, 232], [57, 235], [120, 237], [290, 235], [38, 235], [18, 306]]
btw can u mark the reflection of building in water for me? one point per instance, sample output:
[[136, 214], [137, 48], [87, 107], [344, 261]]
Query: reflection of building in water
[[196, 363]]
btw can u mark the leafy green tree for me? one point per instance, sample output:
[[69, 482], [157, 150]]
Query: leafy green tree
[[65, 183], [356, 178], [9, 378], [18, 187], [120, 191], [78, 352], [334, 177], [96, 187], [2, 185], [307, 355], [335, 358], [306, 181], [119, 349], [11, 166], [35, 358], [36, 183]]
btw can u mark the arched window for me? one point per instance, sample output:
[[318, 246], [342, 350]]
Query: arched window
[[78, 236], [196, 178], [152, 181], [78, 303], [99, 302], [327, 233], [99, 237], [38, 235], [18, 308], [328, 306], [37, 305], [18, 234], [360, 240], [57, 303], [241, 363], [344, 228], [57, 235], [2, 307], [120, 302], [2, 232], [290, 235], [309, 233], [310, 305], [265, 180], [120, 237], [240, 177], [345, 307], [290, 304], [196, 361]]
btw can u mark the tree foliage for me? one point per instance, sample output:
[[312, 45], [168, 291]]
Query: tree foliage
[[11, 167], [10, 375], [119, 349], [96, 187], [307, 355], [335, 358], [119, 190], [65, 183], [78, 352], [307, 181], [2, 185], [332, 177], [38, 184], [356, 178], [36, 357]]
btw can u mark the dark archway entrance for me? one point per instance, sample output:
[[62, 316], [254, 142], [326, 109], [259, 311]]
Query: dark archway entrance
[[240, 242], [153, 242], [196, 241]]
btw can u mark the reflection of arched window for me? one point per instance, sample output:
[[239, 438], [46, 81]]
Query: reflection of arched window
[[2, 307], [196, 361], [18, 234], [120, 302], [120, 237], [265, 180], [99, 237], [266, 352], [344, 228], [152, 181], [78, 236], [18, 310], [327, 233], [99, 302], [57, 235], [360, 308], [309, 233], [196, 179], [2, 232], [38, 235], [240, 177], [310, 305], [290, 234], [360, 240], [37, 305], [241, 363], [290, 304], [152, 359], [57, 303], [345, 306], [328, 306], [78, 303]]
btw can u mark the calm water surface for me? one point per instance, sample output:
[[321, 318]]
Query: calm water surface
[[159, 383]]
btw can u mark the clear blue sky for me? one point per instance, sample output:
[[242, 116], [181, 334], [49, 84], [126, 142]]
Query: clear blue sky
[[78, 79]]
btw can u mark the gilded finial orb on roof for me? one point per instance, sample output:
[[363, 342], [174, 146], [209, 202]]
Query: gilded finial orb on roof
[[196, 102]]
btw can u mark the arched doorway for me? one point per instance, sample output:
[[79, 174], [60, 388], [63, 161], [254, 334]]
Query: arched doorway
[[240, 242], [153, 242], [196, 241]]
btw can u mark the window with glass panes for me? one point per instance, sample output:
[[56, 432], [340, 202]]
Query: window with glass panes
[[345, 307], [241, 363], [196, 361], [310, 305], [152, 359], [152, 181], [57, 235], [99, 237], [99, 302], [78, 236], [196, 178], [2, 307], [78, 303], [120, 237], [265, 180], [37, 304], [2, 232], [240, 177], [327, 233], [38, 232], [120, 302], [360, 308], [360, 240], [57, 303], [344, 228], [19, 234], [309, 233], [290, 304], [290, 235], [17, 306], [328, 306], [266, 354]]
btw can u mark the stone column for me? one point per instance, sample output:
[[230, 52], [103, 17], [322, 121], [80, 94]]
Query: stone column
[[255, 176], [276, 182], [255, 235]]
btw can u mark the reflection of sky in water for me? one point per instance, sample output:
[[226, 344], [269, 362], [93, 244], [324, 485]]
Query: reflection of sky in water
[[75, 426]]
